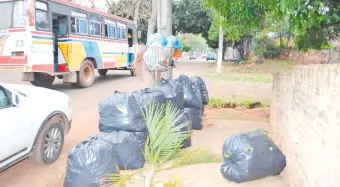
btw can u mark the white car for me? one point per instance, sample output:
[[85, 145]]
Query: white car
[[33, 122]]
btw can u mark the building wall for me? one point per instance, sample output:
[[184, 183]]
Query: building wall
[[305, 120]]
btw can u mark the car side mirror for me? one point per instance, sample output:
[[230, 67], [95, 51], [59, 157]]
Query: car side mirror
[[15, 99]]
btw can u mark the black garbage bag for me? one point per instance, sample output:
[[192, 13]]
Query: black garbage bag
[[127, 149], [185, 118], [196, 118], [89, 162], [192, 93], [172, 90], [145, 96], [120, 112], [203, 88], [141, 137], [251, 156]]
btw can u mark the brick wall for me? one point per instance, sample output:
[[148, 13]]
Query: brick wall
[[305, 119]]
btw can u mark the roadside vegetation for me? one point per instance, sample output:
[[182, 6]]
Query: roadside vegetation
[[252, 73]]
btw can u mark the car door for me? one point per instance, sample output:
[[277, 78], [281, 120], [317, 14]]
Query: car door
[[14, 131]]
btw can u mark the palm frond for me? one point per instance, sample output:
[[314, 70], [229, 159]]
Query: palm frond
[[199, 156], [119, 179], [165, 137]]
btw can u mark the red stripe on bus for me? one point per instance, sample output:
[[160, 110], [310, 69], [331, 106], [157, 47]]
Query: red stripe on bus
[[49, 68], [109, 64], [9, 60], [17, 30], [93, 11], [43, 33]]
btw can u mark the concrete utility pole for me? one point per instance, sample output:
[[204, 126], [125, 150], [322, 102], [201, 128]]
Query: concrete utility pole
[[220, 50], [164, 24]]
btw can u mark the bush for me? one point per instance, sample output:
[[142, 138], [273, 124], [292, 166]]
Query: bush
[[272, 51]]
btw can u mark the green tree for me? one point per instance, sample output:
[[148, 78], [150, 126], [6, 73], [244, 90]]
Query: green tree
[[314, 22], [190, 17], [193, 42], [242, 18], [127, 9]]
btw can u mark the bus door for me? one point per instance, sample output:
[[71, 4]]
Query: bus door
[[130, 37], [59, 30]]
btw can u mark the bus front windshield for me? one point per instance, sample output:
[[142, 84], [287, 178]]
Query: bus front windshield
[[12, 14]]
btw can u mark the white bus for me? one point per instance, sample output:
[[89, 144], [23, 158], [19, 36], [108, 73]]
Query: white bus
[[45, 39]]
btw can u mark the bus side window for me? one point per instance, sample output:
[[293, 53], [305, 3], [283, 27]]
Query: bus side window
[[106, 31], [118, 33], [73, 25], [124, 33], [78, 26]]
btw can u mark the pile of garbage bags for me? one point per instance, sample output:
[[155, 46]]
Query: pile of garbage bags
[[123, 130], [158, 56], [251, 156]]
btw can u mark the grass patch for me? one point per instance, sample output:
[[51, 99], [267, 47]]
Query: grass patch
[[234, 102], [241, 77], [246, 72]]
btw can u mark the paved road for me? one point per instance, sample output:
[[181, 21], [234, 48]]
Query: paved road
[[85, 123]]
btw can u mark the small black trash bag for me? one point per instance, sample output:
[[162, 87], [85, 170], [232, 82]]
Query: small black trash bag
[[172, 90], [146, 96], [120, 112], [192, 93], [203, 88], [251, 156], [127, 148], [185, 118], [89, 162], [196, 118]]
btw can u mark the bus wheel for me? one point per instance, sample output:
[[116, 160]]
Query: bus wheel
[[132, 71], [42, 80], [86, 75], [102, 72]]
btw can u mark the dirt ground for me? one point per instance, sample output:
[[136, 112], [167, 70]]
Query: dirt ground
[[205, 175], [85, 124]]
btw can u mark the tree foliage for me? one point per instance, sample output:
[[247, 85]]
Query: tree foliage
[[315, 22], [190, 17], [126, 9], [193, 42]]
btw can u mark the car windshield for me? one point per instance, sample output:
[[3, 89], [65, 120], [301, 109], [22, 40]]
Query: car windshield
[[12, 14]]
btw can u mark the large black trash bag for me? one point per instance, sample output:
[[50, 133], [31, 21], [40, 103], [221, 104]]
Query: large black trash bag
[[192, 93], [120, 112], [251, 156], [203, 88], [172, 90], [89, 162], [127, 148], [196, 118], [141, 137], [146, 96], [186, 117]]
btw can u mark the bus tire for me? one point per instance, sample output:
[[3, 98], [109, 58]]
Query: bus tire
[[102, 72], [86, 75], [42, 80], [132, 72]]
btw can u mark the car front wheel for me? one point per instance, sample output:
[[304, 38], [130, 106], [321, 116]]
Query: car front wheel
[[50, 142]]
